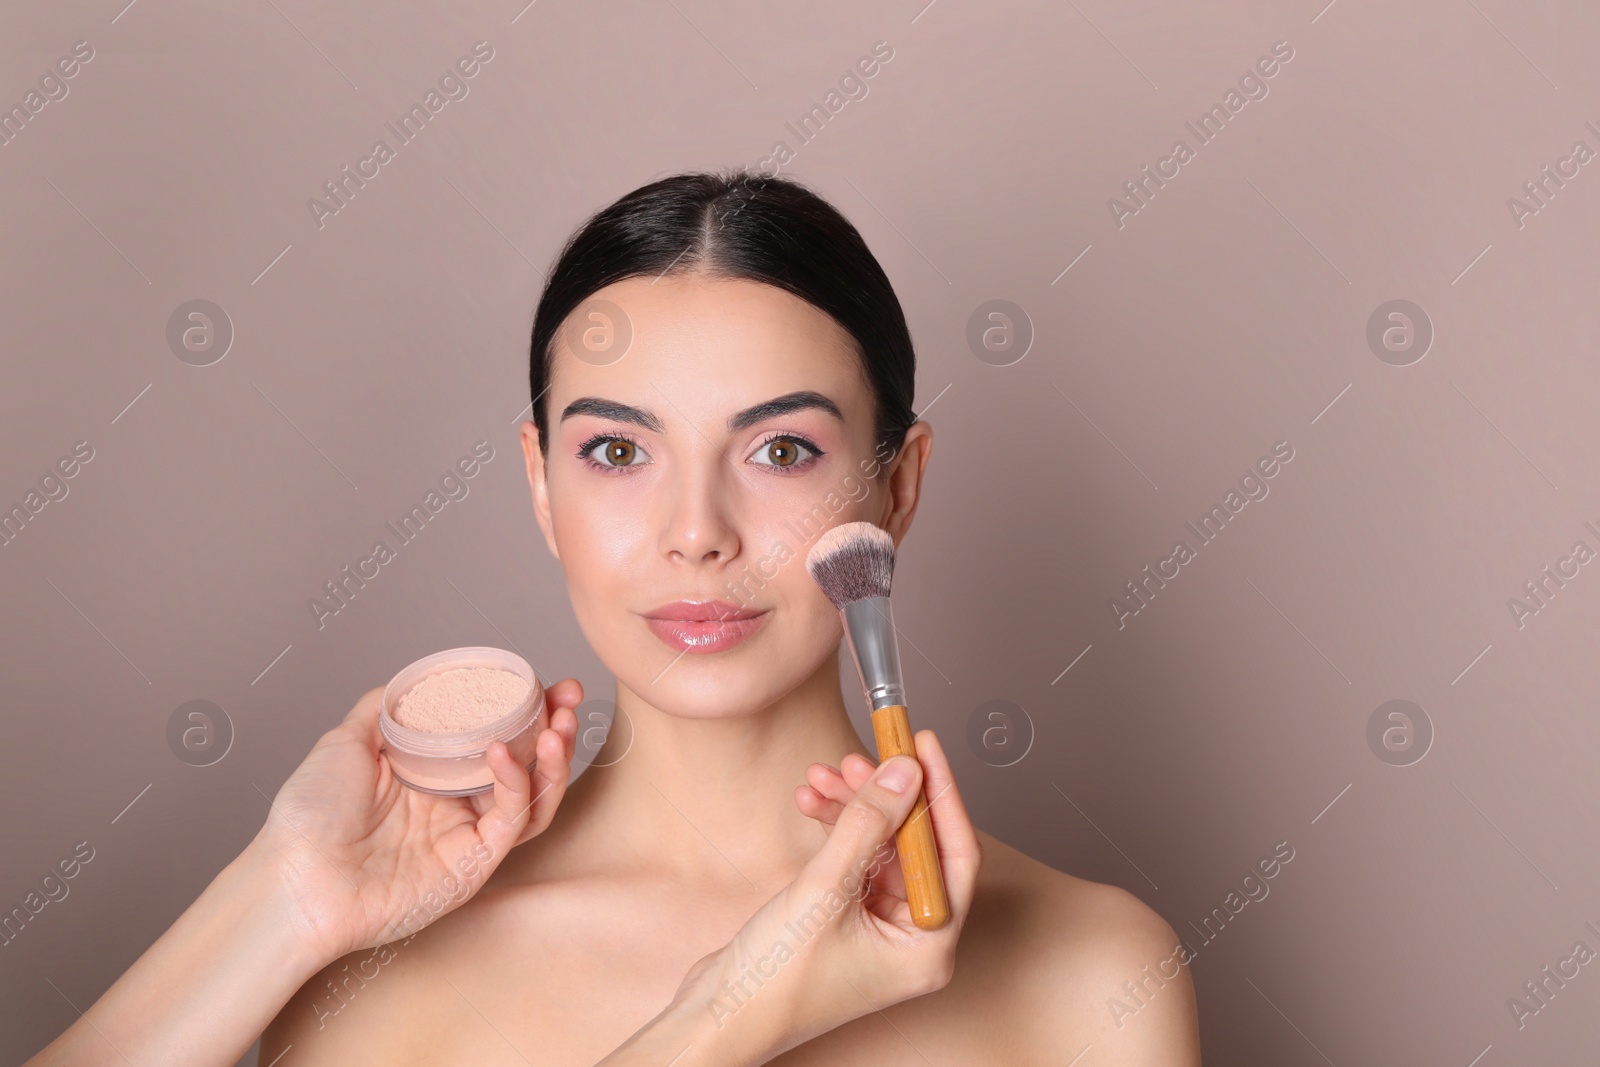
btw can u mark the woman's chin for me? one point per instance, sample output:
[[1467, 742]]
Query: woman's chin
[[722, 686]]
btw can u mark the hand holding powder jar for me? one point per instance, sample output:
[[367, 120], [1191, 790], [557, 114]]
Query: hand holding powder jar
[[441, 712]]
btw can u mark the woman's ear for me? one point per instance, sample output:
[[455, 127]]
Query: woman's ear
[[904, 478], [534, 459]]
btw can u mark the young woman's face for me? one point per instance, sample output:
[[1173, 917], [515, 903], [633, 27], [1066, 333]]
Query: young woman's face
[[686, 480]]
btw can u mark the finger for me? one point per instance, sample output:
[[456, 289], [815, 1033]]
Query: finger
[[856, 770], [871, 818], [822, 772], [826, 791], [959, 850], [568, 694], [827, 803], [551, 776], [501, 826], [564, 721], [829, 784], [840, 783], [815, 805], [889, 879]]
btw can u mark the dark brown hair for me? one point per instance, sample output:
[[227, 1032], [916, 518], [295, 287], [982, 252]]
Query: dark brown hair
[[738, 225]]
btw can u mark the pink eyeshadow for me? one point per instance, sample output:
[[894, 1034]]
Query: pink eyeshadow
[[463, 698]]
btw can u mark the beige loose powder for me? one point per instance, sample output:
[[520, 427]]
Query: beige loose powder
[[463, 698]]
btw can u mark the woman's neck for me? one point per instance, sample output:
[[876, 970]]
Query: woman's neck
[[707, 799]]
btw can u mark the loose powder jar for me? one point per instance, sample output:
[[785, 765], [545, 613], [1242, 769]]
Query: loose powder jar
[[440, 713]]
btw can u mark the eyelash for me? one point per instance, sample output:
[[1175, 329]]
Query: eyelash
[[598, 439]]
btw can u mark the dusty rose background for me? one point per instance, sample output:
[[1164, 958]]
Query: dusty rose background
[[1166, 357]]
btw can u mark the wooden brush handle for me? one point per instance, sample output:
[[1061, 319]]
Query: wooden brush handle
[[919, 853]]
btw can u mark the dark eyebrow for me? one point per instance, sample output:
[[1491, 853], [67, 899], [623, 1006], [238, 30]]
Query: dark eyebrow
[[611, 409], [781, 405]]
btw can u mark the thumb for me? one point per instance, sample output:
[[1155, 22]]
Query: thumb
[[870, 819]]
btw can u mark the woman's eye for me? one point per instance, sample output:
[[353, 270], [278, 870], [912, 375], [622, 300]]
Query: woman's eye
[[784, 452], [617, 452]]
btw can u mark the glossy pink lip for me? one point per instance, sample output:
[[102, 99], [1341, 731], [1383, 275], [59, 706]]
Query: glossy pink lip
[[701, 611], [704, 626]]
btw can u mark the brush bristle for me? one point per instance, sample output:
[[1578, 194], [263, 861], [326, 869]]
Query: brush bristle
[[851, 562]]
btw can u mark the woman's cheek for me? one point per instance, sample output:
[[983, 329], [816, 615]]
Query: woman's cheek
[[599, 546], [800, 513]]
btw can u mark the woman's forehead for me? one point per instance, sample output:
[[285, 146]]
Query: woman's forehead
[[715, 345]]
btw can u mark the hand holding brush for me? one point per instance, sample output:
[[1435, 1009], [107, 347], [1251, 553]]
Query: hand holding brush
[[838, 942], [853, 563]]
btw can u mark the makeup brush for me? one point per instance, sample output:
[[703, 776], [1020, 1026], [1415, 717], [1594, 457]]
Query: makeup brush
[[854, 565]]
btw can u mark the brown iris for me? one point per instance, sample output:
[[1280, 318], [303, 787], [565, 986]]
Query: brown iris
[[619, 453], [784, 452]]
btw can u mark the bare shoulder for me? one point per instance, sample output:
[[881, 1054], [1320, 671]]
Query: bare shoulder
[[1090, 965]]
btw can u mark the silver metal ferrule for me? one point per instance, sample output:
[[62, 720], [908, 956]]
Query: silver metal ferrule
[[869, 630]]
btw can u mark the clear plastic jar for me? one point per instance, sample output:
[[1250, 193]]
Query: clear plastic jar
[[456, 764]]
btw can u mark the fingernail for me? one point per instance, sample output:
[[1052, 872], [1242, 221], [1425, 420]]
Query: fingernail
[[896, 774]]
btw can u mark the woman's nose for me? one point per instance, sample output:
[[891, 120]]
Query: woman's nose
[[697, 526]]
